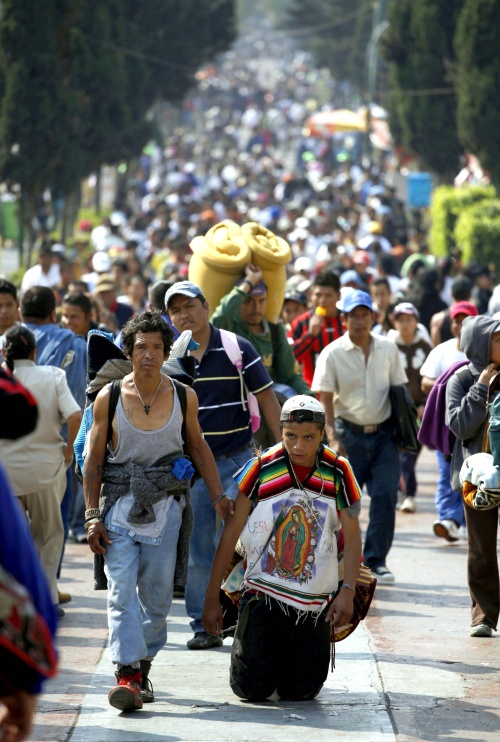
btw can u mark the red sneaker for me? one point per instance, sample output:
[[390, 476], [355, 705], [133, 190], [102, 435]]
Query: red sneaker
[[126, 696]]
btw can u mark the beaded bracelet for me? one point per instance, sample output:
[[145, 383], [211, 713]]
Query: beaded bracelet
[[216, 502], [346, 584]]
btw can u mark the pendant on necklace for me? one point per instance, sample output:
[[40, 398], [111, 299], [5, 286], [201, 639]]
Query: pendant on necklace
[[147, 407]]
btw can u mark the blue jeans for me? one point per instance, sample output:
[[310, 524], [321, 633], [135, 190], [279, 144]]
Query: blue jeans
[[375, 461], [449, 504], [140, 587], [206, 534], [78, 513], [66, 505], [408, 462]]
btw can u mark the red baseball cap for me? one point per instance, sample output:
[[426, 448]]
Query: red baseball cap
[[463, 307]]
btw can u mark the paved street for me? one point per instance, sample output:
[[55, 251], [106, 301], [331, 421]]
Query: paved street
[[411, 672]]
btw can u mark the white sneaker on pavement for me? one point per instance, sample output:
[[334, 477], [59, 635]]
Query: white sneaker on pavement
[[408, 505], [447, 529], [384, 576]]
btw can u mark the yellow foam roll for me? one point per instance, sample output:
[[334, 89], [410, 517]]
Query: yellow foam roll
[[218, 261], [270, 253]]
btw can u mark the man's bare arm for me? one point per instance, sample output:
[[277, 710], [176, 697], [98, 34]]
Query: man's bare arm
[[212, 611], [272, 410], [73, 423], [326, 399], [203, 459], [427, 384]]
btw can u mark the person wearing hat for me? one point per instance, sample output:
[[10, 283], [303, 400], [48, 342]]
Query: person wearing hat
[[101, 264], [105, 292], [448, 502], [243, 311], [316, 328], [290, 505], [350, 278], [294, 304], [225, 420], [413, 346], [353, 375]]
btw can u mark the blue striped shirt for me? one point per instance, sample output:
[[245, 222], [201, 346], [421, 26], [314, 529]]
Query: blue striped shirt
[[224, 421]]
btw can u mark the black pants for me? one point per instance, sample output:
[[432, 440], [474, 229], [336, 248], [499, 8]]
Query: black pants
[[272, 651]]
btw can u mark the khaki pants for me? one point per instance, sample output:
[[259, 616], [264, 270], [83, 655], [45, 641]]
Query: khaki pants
[[44, 511]]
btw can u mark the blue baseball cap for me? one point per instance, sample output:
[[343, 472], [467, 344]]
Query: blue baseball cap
[[259, 289], [357, 299], [349, 276], [186, 288]]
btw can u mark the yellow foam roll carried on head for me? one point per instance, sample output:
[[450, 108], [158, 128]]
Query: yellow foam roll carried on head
[[270, 253], [218, 261]]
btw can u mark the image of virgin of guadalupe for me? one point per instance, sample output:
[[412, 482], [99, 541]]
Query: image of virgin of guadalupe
[[292, 544]]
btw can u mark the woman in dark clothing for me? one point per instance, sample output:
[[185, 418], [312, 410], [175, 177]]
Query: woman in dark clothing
[[424, 294]]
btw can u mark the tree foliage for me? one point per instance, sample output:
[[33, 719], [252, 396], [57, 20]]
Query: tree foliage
[[478, 82], [336, 33], [78, 77], [419, 49]]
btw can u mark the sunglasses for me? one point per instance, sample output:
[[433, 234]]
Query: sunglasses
[[303, 416]]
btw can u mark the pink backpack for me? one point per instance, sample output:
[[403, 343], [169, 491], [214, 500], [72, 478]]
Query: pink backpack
[[233, 350]]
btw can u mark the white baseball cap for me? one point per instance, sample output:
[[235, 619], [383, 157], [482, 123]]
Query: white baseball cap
[[302, 408], [101, 262]]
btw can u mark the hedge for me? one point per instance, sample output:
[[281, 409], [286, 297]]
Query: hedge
[[447, 204], [477, 233]]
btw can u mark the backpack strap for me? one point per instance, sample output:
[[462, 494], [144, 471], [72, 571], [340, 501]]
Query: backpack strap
[[182, 394], [114, 396], [233, 351]]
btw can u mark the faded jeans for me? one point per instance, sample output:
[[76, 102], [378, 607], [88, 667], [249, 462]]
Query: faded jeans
[[140, 587], [206, 534]]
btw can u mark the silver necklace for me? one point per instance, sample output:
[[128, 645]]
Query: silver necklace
[[147, 407], [301, 487]]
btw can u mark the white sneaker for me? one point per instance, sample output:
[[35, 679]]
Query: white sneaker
[[408, 505], [384, 576], [447, 529], [481, 629]]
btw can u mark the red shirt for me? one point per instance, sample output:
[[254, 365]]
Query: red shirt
[[306, 347]]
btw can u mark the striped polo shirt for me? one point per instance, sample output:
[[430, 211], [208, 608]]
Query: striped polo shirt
[[223, 420]]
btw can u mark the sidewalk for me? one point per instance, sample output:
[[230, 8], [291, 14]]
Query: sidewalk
[[411, 672]]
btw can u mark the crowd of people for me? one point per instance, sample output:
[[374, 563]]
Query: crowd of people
[[366, 307]]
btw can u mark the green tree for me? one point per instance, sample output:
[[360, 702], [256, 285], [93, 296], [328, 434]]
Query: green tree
[[35, 137], [336, 33], [418, 47], [78, 78], [478, 82]]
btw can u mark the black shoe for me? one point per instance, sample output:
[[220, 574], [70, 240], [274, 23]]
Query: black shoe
[[147, 692], [60, 611], [202, 640], [179, 591]]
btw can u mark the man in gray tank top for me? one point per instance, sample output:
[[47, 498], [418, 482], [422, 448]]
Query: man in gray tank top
[[138, 511]]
